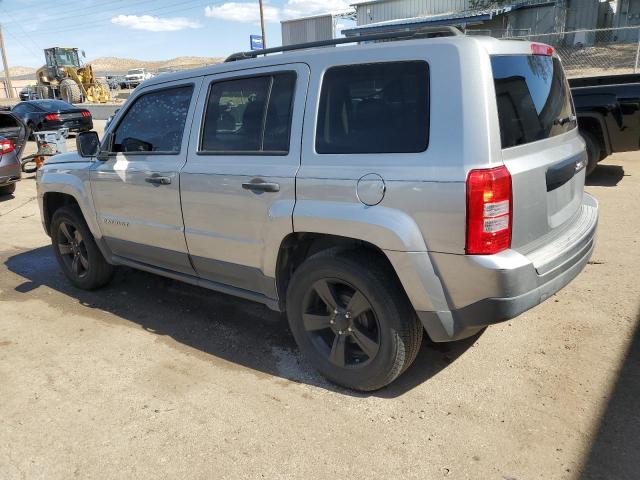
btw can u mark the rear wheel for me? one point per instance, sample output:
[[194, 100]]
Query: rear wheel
[[352, 320], [8, 189], [593, 150], [77, 252]]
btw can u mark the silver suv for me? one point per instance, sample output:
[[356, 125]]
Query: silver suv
[[371, 192]]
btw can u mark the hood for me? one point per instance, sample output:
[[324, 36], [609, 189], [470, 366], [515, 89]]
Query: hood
[[69, 157]]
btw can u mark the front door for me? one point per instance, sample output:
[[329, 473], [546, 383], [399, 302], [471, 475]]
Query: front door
[[238, 186], [137, 190]]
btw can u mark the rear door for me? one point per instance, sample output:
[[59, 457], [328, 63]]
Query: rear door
[[238, 185], [541, 146], [137, 190]]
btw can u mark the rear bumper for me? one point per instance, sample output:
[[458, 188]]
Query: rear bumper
[[483, 290], [10, 171], [83, 125]]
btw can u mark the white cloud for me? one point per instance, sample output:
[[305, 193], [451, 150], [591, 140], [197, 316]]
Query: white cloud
[[250, 13], [154, 24], [242, 12]]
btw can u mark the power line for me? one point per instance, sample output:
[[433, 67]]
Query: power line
[[172, 9], [97, 11], [29, 49], [25, 33]]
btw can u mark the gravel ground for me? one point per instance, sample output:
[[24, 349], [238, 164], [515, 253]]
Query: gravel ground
[[149, 378]]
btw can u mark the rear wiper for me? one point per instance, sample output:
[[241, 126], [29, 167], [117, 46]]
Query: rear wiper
[[564, 120]]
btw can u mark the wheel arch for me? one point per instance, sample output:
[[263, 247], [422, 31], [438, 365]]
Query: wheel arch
[[595, 124], [298, 246], [58, 189]]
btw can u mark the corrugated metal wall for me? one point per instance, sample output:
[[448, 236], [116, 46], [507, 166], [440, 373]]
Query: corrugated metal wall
[[582, 14], [539, 20], [627, 15], [307, 30], [397, 9]]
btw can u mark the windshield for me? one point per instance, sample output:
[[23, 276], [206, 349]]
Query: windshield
[[136, 72], [67, 58], [534, 100]]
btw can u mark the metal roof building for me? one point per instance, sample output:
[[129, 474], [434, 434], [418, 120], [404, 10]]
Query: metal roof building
[[312, 28], [510, 18], [519, 17]]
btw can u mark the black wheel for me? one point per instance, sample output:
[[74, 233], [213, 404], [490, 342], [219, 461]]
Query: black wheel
[[351, 318], [593, 150], [8, 190], [76, 250]]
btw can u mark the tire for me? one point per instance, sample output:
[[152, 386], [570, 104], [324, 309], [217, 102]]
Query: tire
[[43, 92], [365, 351], [8, 190], [593, 150], [70, 91], [76, 251]]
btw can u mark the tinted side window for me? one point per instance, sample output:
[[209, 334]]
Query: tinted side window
[[374, 108], [155, 122], [249, 115]]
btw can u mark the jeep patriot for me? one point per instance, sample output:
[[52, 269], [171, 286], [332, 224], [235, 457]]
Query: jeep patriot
[[372, 191]]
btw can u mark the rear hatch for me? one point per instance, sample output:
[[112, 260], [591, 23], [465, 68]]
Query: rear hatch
[[540, 147], [12, 128]]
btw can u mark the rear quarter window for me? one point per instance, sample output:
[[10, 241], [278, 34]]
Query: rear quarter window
[[374, 108], [533, 97]]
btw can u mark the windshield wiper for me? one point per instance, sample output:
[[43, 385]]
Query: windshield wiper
[[564, 120]]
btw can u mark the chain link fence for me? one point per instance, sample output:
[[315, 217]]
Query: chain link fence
[[584, 53]]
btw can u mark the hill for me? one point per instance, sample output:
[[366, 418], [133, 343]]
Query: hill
[[104, 65], [19, 71], [115, 64]]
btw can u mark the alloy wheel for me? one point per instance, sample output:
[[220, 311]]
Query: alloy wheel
[[341, 323], [73, 250]]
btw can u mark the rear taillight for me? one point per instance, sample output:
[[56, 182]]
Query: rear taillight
[[541, 49], [86, 114], [489, 211], [6, 146], [52, 117]]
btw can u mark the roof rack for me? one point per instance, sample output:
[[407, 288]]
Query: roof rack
[[426, 32]]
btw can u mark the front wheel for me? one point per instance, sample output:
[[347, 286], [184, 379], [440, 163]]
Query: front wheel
[[352, 320], [77, 252]]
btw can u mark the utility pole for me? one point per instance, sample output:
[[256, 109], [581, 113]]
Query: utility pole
[[7, 76], [264, 37]]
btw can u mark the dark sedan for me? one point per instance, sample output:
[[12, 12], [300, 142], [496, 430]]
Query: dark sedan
[[52, 115]]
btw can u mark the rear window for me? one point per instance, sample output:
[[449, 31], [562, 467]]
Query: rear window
[[374, 108], [53, 105], [534, 100]]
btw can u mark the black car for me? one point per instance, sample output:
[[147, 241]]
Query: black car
[[53, 115]]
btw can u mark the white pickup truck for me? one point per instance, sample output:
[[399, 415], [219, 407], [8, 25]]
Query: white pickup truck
[[136, 76]]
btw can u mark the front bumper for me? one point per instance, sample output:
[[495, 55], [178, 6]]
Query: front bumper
[[482, 290]]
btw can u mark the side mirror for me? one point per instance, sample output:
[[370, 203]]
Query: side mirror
[[88, 144]]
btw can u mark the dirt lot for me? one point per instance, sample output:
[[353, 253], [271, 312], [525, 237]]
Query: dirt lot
[[149, 378]]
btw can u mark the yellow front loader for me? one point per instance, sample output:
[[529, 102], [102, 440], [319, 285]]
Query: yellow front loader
[[64, 77]]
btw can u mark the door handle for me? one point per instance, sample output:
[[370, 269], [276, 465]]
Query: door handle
[[158, 180], [261, 186]]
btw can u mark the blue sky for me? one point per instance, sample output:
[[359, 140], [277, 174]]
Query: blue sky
[[144, 29]]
